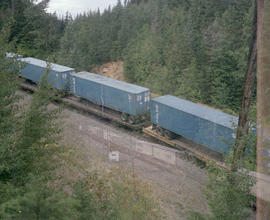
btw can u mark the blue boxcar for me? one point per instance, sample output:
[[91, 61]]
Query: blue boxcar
[[203, 125], [117, 95], [35, 68]]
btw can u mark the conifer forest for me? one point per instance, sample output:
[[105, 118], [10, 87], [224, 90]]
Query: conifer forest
[[204, 51]]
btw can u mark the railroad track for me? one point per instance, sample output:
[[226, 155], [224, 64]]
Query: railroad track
[[180, 144], [91, 108]]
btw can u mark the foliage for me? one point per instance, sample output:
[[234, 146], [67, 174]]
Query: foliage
[[249, 159], [227, 199], [229, 193], [94, 38], [8, 110], [230, 200], [28, 147], [115, 195], [35, 138], [199, 48], [30, 152], [195, 49], [33, 32], [38, 201]]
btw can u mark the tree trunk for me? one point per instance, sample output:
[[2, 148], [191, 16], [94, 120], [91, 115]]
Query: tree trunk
[[263, 106], [12, 8], [243, 122]]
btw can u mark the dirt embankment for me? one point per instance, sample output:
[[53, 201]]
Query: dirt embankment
[[113, 70]]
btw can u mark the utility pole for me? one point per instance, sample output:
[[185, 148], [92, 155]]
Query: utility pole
[[263, 106]]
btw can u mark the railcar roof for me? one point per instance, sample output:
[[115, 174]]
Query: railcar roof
[[13, 55], [198, 110], [43, 64], [128, 87]]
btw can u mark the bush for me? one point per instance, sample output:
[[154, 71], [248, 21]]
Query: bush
[[228, 195], [115, 195]]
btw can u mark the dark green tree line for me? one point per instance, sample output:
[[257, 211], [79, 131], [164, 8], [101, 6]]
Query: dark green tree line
[[33, 32], [199, 48]]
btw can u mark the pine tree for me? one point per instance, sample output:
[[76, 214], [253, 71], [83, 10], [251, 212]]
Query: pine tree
[[37, 141], [41, 202], [9, 108]]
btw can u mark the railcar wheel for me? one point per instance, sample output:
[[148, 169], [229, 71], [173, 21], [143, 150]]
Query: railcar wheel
[[124, 116], [61, 93], [132, 119], [168, 134], [159, 131], [145, 117]]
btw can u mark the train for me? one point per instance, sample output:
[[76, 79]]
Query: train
[[132, 101], [35, 68], [201, 124], [170, 116]]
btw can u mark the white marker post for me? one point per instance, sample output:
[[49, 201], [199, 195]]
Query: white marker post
[[114, 156]]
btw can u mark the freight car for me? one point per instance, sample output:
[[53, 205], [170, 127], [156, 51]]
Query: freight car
[[170, 116], [34, 69], [203, 125], [132, 101], [13, 55]]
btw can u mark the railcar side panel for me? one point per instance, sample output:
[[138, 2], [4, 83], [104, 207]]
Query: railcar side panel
[[114, 94], [34, 69], [198, 129]]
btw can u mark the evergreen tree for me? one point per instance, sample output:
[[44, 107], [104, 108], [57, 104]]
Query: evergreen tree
[[38, 201], [37, 141], [8, 110]]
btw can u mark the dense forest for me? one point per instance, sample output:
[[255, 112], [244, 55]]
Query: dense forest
[[190, 48], [194, 49], [33, 155]]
